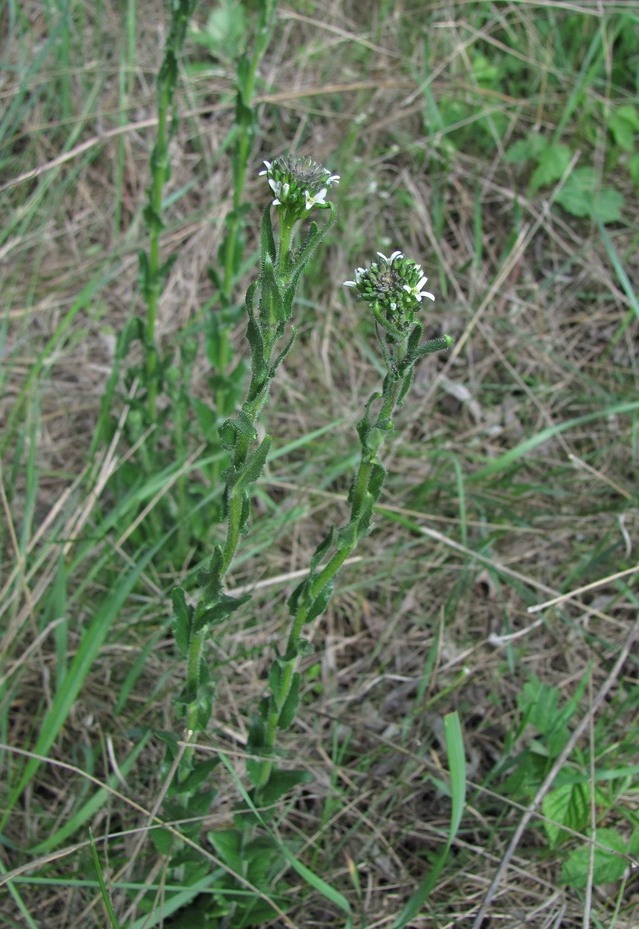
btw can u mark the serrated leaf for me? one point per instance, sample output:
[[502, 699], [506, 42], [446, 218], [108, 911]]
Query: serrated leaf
[[608, 866], [633, 171], [553, 162], [162, 840], [567, 805], [623, 125], [582, 196], [525, 149], [228, 845]]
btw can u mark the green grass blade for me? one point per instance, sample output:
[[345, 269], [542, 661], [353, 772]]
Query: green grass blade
[[67, 692], [104, 890], [457, 768], [514, 454]]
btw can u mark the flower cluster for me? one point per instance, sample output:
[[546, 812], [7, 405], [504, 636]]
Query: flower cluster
[[298, 183], [393, 287]]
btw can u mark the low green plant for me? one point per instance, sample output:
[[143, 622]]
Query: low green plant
[[161, 435], [393, 290], [576, 796]]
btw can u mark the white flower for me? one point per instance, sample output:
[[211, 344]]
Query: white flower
[[416, 290], [392, 258], [359, 273], [332, 179], [318, 199], [268, 168]]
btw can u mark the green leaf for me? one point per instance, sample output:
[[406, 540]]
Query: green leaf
[[288, 711], [526, 149], [282, 782], [181, 620], [199, 774], [582, 196], [607, 865], [567, 805], [552, 164], [623, 125], [224, 33], [162, 840], [228, 846], [633, 170], [254, 464], [104, 891], [457, 768]]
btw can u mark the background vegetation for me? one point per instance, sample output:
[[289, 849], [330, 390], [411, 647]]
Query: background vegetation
[[497, 143]]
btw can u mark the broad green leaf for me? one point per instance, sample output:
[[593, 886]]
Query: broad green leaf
[[582, 195], [566, 805], [610, 861], [553, 162]]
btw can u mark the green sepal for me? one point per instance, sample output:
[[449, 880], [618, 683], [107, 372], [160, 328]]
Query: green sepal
[[288, 711], [182, 619]]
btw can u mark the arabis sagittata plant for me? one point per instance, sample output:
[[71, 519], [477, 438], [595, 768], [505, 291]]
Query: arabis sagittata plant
[[393, 291], [270, 333]]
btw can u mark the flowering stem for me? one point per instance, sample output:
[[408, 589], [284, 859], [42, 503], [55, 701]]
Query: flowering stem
[[269, 306], [393, 287]]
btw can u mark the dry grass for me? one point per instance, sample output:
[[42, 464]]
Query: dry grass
[[420, 623]]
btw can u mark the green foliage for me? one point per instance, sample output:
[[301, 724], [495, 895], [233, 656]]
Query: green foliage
[[612, 853], [524, 461]]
